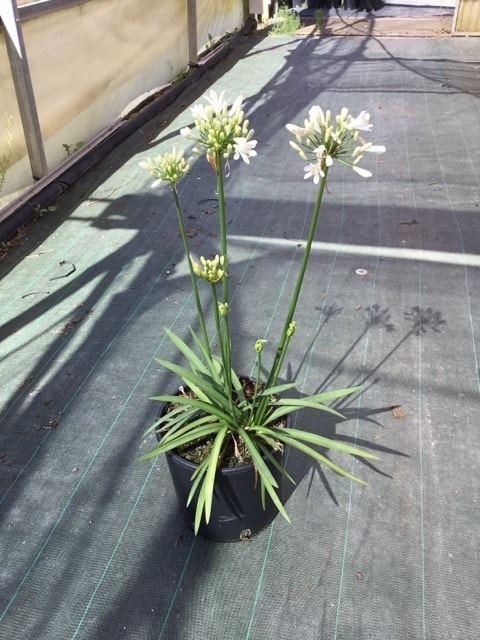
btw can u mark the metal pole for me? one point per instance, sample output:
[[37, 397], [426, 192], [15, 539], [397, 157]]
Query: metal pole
[[23, 87], [192, 33]]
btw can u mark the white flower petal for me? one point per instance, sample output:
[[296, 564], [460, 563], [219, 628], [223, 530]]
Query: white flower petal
[[361, 122], [315, 171], [236, 106], [317, 117], [198, 112], [319, 151], [297, 131], [362, 172], [216, 101], [245, 149]]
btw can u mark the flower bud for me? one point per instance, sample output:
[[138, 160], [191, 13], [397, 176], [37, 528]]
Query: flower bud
[[259, 345], [223, 309], [291, 329]]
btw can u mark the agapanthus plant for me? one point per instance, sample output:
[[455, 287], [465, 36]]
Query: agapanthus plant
[[218, 406]]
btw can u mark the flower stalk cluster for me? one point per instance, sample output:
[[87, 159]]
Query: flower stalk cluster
[[221, 132], [322, 140], [211, 270], [169, 168]]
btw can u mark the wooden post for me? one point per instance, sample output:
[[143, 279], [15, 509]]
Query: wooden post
[[192, 33], [23, 87]]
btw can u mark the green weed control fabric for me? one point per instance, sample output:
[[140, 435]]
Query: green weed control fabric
[[92, 543]]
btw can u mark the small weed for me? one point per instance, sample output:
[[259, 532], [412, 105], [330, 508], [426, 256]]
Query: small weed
[[211, 42], [287, 22], [6, 155], [38, 210], [181, 76], [71, 148], [319, 19]]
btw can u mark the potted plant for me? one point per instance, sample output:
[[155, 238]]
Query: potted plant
[[222, 417]]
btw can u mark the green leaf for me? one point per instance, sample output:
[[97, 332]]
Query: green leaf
[[316, 401], [268, 453], [280, 388], [204, 387], [187, 436], [238, 388], [170, 416], [257, 459], [327, 443], [212, 364], [316, 455], [275, 498], [278, 413], [183, 347], [196, 478], [208, 483], [303, 403], [200, 475], [326, 396], [199, 405], [266, 478]]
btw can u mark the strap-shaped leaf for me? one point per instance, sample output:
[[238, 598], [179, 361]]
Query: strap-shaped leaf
[[237, 385], [257, 459], [316, 455], [197, 478], [322, 441], [327, 396], [170, 417], [275, 498], [199, 405], [303, 403], [173, 443], [206, 489], [280, 388], [267, 453], [214, 367], [196, 433], [181, 428], [205, 388], [269, 483], [183, 347]]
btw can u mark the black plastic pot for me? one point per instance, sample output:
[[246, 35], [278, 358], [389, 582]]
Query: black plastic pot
[[237, 510]]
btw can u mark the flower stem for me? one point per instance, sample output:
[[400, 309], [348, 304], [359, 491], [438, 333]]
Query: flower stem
[[285, 337], [226, 348], [251, 419], [222, 333], [193, 277]]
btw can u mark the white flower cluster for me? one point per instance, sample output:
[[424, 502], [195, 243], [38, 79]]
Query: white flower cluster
[[219, 129], [223, 131], [322, 140], [169, 167]]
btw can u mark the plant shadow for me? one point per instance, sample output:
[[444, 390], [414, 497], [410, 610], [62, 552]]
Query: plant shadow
[[299, 465]]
